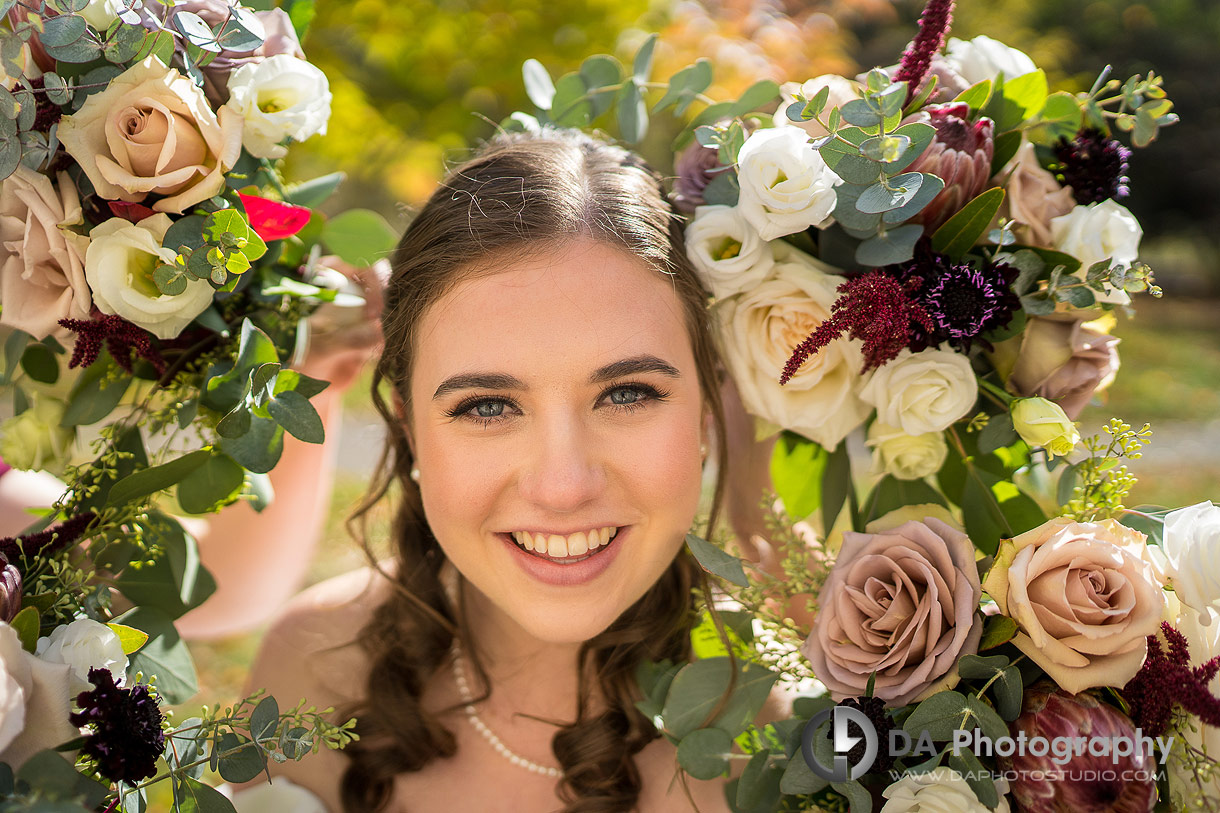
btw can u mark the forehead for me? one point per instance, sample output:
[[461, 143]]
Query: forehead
[[565, 310]]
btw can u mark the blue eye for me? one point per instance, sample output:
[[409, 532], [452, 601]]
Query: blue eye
[[623, 397]]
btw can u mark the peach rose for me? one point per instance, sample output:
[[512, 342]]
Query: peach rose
[[1085, 596], [42, 266], [152, 131], [1065, 362], [1034, 197], [901, 603]]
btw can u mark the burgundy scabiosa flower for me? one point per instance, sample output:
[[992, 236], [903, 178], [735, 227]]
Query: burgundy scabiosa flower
[[1080, 782], [874, 709], [126, 736], [960, 155], [962, 300], [1167, 681], [1094, 165]]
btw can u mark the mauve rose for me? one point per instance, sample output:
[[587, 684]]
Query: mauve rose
[[42, 266], [1065, 362], [694, 168], [901, 603], [1034, 197], [1085, 597]]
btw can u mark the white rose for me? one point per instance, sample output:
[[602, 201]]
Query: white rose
[[101, 13], [922, 392], [280, 97], [1096, 232], [942, 790], [83, 645], [984, 58], [34, 702], [726, 250], [1192, 549], [1203, 640], [758, 330], [786, 187], [119, 266], [906, 457], [842, 91]]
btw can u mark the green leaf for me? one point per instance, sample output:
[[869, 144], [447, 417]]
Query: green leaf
[[64, 29], [301, 13], [174, 581], [959, 234], [48, 775], [170, 279], [940, 715], [265, 719], [877, 198], [762, 92], [570, 107], [985, 522], [997, 630], [931, 187], [858, 797], [600, 71], [699, 687], [293, 411], [632, 113], [998, 432], [758, 786], [130, 638], [849, 216], [861, 113], [1152, 525], [890, 493], [314, 192], [1004, 148], [165, 655], [977, 776], [642, 64], [40, 364], [149, 481], [797, 466], [1060, 116], [132, 444], [156, 43], [893, 246], [359, 236], [976, 95], [26, 624], [704, 753], [187, 232], [799, 779], [259, 448], [836, 482], [241, 760], [723, 189], [717, 561], [193, 796], [684, 86], [1023, 98], [14, 348], [213, 483]]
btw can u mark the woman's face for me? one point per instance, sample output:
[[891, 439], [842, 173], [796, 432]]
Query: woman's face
[[558, 396]]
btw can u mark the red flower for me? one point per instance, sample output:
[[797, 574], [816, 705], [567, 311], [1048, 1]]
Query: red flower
[[272, 219], [135, 212]]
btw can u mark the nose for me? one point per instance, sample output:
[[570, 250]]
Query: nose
[[564, 470]]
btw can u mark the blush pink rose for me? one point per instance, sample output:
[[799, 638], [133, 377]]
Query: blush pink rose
[[902, 603], [1063, 361], [1085, 596], [1034, 197]]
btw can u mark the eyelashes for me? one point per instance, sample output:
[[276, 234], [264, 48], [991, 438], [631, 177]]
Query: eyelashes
[[463, 410]]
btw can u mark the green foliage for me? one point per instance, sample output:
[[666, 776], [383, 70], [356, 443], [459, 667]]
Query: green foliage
[[716, 560], [359, 236], [699, 688], [1099, 485]]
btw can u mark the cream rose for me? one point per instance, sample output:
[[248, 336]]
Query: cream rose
[[900, 604], [757, 332], [984, 58], [278, 98], [34, 702], [1084, 597], [34, 440], [922, 392], [1065, 362], [101, 13], [786, 187], [1034, 197], [42, 271], [1099, 231], [941, 790], [726, 250], [83, 645], [1192, 553], [152, 131], [906, 457], [842, 91], [119, 266], [1044, 424]]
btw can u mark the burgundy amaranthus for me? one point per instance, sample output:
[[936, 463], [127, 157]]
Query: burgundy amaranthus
[[1166, 680], [933, 26], [875, 308], [48, 542], [121, 338], [127, 737]]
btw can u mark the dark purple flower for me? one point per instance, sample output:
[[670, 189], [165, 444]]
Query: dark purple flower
[[960, 155], [1166, 681], [874, 709], [1094, 165], [963, 300], [1085, 783], [10, 590], [126, 736]]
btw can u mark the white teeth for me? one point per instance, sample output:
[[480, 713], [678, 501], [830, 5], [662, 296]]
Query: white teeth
[[578, 545]]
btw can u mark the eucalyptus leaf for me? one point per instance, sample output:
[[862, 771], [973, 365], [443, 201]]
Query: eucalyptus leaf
[[200, 798], [998, 432], [929, 189], [700, 686], [836, 482], [901, 191], [259, 448], [642, 64], [704, 753], [632, 113], [142, 483], [893, 246], [717, 561], [359, 236], [538, 85], [965, 762], [293, 411], [165, 655], [860, 113], [216, 481], [62, 30]]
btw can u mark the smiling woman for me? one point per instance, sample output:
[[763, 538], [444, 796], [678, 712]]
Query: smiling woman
[[553, 391]]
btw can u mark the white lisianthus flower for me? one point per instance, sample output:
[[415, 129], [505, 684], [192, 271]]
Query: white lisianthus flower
[[842, 91], [101, 13], [906, 457], [984, 58], [941, 789], [923, 392], [758, 331], [1099, 231], [34, 702], [786, 187], [280, 97], [1192, 549], [36, 440], [282, 797], [119, 266], [83, 645], [726, 250]]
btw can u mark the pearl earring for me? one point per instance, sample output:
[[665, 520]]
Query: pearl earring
[[415, 473], [703, 450]]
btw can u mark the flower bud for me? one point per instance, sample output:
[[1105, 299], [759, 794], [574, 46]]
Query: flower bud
[[1043, 423]]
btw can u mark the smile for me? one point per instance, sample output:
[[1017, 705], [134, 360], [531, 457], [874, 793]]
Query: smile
[[572, 569], [570, 548]]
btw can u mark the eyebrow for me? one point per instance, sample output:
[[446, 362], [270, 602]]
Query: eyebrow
[[502, 381]]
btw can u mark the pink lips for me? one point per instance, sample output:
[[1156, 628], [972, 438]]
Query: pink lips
[[565, 575]]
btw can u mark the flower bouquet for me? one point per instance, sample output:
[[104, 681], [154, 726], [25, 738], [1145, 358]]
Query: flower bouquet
[[158, 280], [933, 255]]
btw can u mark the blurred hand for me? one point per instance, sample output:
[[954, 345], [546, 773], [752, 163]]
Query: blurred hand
[[343, 340]]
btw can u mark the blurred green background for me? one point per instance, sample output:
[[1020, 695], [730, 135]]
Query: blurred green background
[[416, 84]]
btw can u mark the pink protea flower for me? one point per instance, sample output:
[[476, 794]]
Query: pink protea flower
[[960, 155], [1080, 782]]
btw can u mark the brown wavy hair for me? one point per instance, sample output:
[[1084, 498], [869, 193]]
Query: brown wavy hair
[[520, 193]]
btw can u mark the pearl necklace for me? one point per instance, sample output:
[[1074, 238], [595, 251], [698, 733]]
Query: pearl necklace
[[473, 716]]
